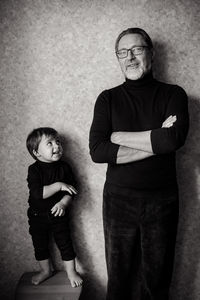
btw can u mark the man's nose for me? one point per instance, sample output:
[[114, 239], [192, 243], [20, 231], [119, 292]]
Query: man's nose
[[130, 54]]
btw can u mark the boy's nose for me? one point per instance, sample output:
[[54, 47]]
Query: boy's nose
[[55, 146]]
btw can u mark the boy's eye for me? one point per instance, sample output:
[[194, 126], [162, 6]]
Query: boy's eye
[[58, 142], [49, 143]]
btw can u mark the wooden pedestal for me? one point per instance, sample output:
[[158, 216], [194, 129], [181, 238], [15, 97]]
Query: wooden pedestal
[[56, 287]]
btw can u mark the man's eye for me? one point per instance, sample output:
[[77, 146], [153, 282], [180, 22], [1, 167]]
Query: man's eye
[[58, 142], [49, 143], [122, 52], [137, 48]]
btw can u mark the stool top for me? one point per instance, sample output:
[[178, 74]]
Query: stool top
[[56, 285]]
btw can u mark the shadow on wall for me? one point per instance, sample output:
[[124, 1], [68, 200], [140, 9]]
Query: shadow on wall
[[187, 271], [186, 279], [80, 209], [160, 61]]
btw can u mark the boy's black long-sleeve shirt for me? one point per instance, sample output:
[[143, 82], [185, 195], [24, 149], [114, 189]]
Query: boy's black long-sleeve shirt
[[41, 174], [139, 106]]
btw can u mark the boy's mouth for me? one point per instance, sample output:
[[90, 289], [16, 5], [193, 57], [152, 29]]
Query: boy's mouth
[[57, 153]]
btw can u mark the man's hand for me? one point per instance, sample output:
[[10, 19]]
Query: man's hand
[[115, 136], [169, 122], [68, 188], [58, 209]]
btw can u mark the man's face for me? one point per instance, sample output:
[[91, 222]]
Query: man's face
[[133, 66]]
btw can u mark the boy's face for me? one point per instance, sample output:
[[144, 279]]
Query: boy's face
[[49, 149]]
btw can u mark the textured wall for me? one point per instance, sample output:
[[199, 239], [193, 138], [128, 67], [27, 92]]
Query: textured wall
[[56, 56]]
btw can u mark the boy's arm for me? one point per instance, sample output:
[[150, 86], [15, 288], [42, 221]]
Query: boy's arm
[[39, 192], [59, 208], [35, 184], [50, 190]]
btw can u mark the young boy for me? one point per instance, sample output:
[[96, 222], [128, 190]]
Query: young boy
[[51, 185]]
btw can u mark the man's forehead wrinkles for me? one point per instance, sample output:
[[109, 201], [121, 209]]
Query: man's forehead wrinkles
[[131, 39], [133, 46]]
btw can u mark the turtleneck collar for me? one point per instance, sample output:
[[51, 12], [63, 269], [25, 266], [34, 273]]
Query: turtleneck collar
[[46, 165], [140, 83]]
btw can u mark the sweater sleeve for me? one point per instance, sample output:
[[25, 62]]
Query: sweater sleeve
[[34, 184], [102, 150], [166, 140]]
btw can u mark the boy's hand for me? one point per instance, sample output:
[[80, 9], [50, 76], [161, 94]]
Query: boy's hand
[[58, 209], [68, 188], [169, 122]]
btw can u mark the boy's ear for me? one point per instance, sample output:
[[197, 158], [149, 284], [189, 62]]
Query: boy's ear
[[36, 153]]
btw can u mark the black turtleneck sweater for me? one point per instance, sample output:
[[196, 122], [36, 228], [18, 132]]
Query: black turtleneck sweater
[[140, 105], [41, 174]]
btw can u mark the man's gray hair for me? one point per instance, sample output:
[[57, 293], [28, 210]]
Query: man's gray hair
[[134, 30]]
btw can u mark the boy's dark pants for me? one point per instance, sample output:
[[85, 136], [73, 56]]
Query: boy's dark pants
[[140, 233], [41, 225]]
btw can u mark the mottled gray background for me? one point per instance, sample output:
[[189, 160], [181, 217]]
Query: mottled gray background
[[56, 56]]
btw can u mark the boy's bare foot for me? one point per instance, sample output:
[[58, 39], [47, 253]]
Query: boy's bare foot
[[41, 276], [75, 279]]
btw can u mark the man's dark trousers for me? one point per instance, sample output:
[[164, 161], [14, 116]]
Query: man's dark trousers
[[140, 234]]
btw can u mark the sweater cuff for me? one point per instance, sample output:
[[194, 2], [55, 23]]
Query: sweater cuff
[[158, 142], [113, 153]]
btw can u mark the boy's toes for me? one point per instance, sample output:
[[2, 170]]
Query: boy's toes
[[74, 284], [75, 280], [79, 282], [35, 282]]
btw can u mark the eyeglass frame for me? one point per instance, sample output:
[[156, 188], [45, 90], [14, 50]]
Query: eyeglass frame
[[131, 49]]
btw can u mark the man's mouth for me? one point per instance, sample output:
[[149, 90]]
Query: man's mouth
[[132, 66]]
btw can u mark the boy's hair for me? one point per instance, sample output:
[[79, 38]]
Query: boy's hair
[[34, 138]]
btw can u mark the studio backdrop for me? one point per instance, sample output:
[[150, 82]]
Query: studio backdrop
[[56, 56]]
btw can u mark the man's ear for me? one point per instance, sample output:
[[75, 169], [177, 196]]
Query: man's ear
[[36, 153], [152, 54]]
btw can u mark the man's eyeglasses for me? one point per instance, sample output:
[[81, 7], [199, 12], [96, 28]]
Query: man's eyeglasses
[[136, 50]]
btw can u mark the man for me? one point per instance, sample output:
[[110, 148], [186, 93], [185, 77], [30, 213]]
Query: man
[[136, 129]]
